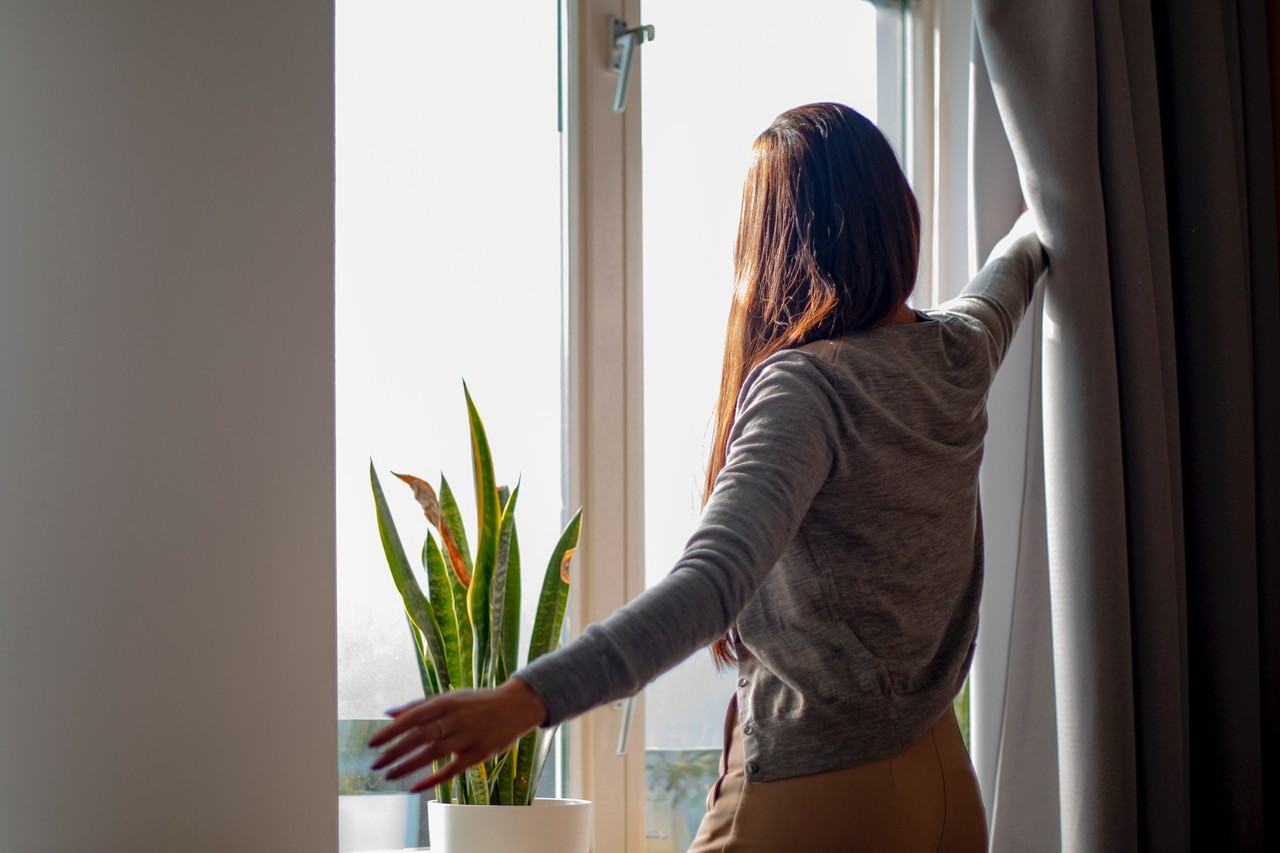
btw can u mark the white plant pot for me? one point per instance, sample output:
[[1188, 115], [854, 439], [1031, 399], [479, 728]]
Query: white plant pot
[[548, 826]]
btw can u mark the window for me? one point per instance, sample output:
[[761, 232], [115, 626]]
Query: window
[[496, 218], [448, 267]]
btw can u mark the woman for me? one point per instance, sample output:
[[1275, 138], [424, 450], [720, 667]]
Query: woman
[[838, 560]]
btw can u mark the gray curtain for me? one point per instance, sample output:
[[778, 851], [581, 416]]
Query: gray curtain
[[1143, 138], [1220, 167], [1017, 754]]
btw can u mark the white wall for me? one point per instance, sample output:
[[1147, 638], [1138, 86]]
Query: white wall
[[166, 426]]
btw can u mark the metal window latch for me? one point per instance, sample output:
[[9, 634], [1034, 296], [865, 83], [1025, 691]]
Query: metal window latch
[[623, 43], [624, 729]]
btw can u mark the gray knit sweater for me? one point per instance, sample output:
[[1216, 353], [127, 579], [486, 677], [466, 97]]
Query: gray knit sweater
[[843, 537]]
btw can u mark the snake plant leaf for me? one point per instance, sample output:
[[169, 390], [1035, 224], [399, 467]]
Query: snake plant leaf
[[429, 686], [511, 611], [465, 638], [478, 785], [545, 741], [433, 509], [454, 531], [444, 791], [453, 518], [498, 594], [458, 790], [555, 593], [506, 771], [502, 769], [424, 495], [415, 603], [503, 773], [490, 518], [526, 750], [440, 591]]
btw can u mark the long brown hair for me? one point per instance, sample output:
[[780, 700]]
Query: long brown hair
[[828, 242]]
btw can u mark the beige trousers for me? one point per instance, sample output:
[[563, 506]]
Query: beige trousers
[[923, 799]]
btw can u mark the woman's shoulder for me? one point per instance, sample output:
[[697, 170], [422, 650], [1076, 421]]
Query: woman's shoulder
[[806, 364], [801, 379]]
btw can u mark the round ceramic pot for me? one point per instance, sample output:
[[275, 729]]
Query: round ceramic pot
[[548, 826]]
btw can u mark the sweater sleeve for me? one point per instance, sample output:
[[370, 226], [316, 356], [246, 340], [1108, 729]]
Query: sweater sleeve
[[781, 450], [999, 294]]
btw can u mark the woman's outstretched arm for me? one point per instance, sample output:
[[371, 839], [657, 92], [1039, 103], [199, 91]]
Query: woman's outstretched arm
[[781, 451]]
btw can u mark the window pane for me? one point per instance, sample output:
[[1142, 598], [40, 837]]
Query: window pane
[[714, 78], [448, 267]]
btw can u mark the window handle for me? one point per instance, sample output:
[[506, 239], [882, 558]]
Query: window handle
[[623, 43]]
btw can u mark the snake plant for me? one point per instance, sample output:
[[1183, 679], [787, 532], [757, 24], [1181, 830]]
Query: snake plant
[[465, 627]]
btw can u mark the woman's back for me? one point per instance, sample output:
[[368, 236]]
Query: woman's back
[[871, 611], [894, 523]]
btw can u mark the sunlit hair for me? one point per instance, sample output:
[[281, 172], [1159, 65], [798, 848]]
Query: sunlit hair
[[828, 242]]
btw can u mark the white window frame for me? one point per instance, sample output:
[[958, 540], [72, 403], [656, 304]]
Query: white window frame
[[604, 388]]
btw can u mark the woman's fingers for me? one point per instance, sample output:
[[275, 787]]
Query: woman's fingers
[[409, 717], [453, 768], [423, 758], [399, 749]]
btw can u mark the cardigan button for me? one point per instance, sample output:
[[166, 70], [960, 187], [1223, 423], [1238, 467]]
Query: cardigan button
[[753, 768], [742, 682], [747, 729]]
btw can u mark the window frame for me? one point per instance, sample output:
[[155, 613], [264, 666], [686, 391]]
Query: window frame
[[604, 386], [602, 355]]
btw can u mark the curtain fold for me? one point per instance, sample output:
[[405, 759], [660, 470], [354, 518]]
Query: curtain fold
[[1144, 140], [994, 202], [1015, 727], [1131, 164]]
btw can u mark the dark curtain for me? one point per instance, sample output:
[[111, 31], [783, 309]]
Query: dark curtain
[[1216, 108], [1145, 140]]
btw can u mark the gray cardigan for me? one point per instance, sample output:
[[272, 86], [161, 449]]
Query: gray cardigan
[[843, 536]]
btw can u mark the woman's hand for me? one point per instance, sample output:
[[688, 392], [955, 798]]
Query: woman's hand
[[470, 725], [1023, 238]]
